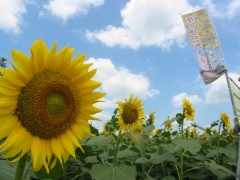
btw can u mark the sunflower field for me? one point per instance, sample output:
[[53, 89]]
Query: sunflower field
[[46, 102]]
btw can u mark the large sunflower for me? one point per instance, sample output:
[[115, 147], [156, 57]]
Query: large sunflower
[[130, 114], [189, 111], [46, 101]]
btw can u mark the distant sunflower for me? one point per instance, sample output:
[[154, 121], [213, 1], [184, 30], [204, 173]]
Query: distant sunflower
[[189, 111], [130, 114], [108, 128], [46, 102], [188, 132], [152, 117], [169, 125], [194, 132], [233, 133], [158, 131], [226, 121]]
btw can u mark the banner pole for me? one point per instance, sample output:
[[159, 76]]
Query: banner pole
[[236, 125]]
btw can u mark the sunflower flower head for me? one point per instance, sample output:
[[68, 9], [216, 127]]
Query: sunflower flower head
[[233, 133], [215, 131], [47, 100], [187, 133], [194, 133], [188, 110], [208, 130], [108, 128], [169, 125], [152, 117], [138, 130], [226, 121], [130, 114], [158, 131]]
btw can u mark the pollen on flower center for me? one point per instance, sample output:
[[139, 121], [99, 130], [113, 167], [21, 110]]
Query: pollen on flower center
[[56, 103], [48, 104]]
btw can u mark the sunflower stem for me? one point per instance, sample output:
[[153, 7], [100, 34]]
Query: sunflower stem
[[181, 154], [116, 149], [20, 168]]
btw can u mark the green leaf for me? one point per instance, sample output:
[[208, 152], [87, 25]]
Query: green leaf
[[126, 153], [218, 170], [223, 143], [191, 145], [105, 156], [157, 158], [148, 177], [179, 118], [168, 178], [229, 151], [166, 134], [148, 129], [215, 123], [94, 130], [91, 159], [99, 140], [120, 172], [197, 126], [169, 121], [140, 140], [174, 133], [115, 124], [7, 170]]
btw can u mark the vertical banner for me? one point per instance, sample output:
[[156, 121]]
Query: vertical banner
[[206, 46], [236, 97]]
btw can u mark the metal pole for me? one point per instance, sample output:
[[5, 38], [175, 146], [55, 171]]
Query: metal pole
[[236, 120], [238, 159], [236, 125]]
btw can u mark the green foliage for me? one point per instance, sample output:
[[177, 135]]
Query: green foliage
[[2, 64], [147, 154], [118, 172], [7, 170]]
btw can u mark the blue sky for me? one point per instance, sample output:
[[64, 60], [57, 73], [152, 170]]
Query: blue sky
[[138, 46]]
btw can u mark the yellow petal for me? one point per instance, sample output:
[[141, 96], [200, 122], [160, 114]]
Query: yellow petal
[[10, 110], [50, 63], [73, 138], [8, 102], [68, 145], [38, 57], [36, 153], [62, 153], [59, 58], [21, 60]]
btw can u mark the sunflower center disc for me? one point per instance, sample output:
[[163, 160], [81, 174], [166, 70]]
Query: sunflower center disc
[[56, 103], [130, 115], [48, 104], [189, 111]]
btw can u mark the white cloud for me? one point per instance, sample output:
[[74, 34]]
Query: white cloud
[[233, 9], [223, 10], [218, 90], [119, 82], [146, 23], [177, 99], [66, 9], [11, 12]]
